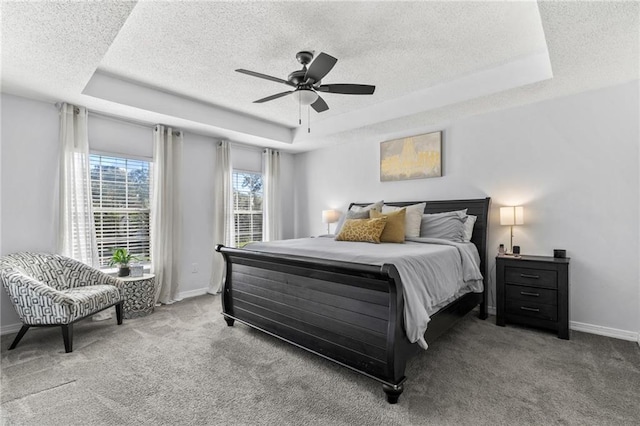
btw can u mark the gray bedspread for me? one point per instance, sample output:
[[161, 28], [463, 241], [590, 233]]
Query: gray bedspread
[[432, 270]]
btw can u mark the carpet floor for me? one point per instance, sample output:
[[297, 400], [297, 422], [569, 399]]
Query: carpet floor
[[182, 365]]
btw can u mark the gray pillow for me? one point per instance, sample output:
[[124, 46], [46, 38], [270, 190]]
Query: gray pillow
[[447, 226], [358, 215], [357, 209]]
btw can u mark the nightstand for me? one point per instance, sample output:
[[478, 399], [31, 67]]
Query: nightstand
[[533, 291]]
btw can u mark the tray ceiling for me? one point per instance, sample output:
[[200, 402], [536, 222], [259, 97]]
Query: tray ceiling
[[174, 62], [194, 48]]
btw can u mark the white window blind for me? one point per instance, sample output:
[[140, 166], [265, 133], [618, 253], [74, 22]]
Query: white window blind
[[120, 189], [247, 207]]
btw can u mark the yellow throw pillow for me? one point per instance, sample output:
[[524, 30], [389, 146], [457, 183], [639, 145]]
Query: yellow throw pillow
[[365, 230], [394, 229]]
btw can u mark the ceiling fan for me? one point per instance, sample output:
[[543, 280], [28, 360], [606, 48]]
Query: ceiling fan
[[307, 81]]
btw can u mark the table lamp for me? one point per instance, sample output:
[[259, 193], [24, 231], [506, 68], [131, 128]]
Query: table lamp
[[512, 215], [329, 217]]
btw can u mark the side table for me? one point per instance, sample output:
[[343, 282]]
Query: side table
[[139, 295], [534, 291]]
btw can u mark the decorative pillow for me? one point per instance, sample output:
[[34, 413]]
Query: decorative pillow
[[365, 230], [447, 226], [468, 228], [394, 229], [356, 209], [412, 218]]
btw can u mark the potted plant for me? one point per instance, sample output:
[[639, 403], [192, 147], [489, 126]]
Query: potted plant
[[122, 257]]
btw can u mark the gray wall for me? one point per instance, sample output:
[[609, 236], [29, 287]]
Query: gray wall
[[573, 163]]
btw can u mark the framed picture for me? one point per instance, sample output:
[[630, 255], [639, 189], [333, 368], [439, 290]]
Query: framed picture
[[414, 157]]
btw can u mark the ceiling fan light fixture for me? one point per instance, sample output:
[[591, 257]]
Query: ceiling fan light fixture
[[305, 96]]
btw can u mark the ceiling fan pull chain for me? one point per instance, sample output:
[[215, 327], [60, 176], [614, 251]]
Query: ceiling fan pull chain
[[309, 119], [299, 112]]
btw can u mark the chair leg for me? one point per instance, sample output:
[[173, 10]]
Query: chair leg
[[21, 333], [67, 335], [119, 313]]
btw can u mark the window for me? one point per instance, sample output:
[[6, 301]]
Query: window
[[120, 188], [247, 207]]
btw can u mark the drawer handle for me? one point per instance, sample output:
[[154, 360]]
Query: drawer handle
[[524, 308], [535, 277], [526, 293]]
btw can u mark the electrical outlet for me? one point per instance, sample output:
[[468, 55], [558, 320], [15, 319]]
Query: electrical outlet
[[194, 268]]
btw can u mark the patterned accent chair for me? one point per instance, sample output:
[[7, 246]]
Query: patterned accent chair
[[52, 290]]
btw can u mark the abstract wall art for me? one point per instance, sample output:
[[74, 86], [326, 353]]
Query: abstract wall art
[[414, 157]]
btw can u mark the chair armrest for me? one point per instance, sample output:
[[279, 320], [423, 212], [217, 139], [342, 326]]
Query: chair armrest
[[24, 291], [18, 284]]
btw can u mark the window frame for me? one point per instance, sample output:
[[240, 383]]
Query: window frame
[[250, 212], [146, 262]]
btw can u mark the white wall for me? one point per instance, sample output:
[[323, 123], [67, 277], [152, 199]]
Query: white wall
[[29, 186], [197, 212], [572, 162], [113, 136]]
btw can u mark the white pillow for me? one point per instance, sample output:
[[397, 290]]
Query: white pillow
[[412, 218], [468, 228]]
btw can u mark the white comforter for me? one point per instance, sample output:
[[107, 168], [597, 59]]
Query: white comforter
[[432, 270]]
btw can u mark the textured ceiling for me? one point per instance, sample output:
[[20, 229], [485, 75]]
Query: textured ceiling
[[194, 48], [591, 45], [51, 49], [56, 46]]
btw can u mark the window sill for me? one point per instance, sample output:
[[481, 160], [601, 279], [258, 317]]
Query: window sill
[[114, 271]]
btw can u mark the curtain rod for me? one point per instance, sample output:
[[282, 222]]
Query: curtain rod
[[152, 125]]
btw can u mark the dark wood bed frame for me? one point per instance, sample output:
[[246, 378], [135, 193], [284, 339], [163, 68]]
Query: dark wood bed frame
[[348, 313]]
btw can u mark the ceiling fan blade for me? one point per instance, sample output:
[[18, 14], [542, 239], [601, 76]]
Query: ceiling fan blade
[[348, 89], [320, 67], [272, 97], [266, 77], [320, 105]]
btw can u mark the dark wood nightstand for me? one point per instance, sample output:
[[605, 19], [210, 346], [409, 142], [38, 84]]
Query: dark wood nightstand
[[534, 291]]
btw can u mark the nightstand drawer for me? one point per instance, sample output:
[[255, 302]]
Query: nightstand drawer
[[532, 294], [531, 277], [532, 309]]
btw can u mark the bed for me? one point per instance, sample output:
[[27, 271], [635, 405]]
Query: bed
[[347, 312]]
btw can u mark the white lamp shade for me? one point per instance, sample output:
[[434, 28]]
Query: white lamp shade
[[330, 216], [512, 215], [305, 96]]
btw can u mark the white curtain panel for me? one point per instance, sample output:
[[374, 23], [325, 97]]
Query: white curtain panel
[[271, 227], [223, 227], [77, 236], [166, 212]]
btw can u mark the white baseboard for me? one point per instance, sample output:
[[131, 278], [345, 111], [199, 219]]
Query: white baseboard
[[14, 328], [10, 329], [193, 293], [616, 333], [594, 329]]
